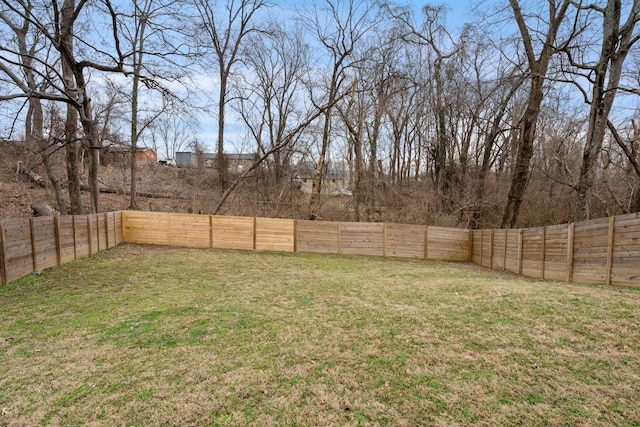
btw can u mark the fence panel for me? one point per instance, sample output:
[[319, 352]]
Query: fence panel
[[362, 238], [232, 232], [590, 251], [45, 248], [118, 227], [532, 244], [476, 245], [146, 227], [451, 244], [555, 257], [499, 244], [274, 234], [81, 232], [625, 268], [66, 238], [102, 232], [403, 240], [189, 230], [318, 236], [18, 253]]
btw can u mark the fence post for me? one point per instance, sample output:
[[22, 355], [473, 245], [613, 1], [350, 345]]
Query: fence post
[[295, 235], [504, 254], [89, 235], [570, 234], [544, 247], [56, 222], [106, 228], [426, 242], [75, 241], [491, 236], [384, 239], [34, 261], [255, 221], [210, 231], [520, 250], [481, 246], [612, 226], [3, 256]]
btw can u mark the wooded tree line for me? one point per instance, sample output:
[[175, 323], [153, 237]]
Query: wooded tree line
[[538, 89]]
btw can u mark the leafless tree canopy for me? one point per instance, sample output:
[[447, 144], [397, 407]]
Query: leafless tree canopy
[[515, 113]]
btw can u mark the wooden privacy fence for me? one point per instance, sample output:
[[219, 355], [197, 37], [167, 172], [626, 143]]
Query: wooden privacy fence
[[398, 240], [605, 251], [33, 244]]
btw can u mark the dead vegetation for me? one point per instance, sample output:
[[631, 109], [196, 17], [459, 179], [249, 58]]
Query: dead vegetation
[[172, 189]]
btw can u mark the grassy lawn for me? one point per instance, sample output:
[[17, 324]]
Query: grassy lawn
[[142, 335]]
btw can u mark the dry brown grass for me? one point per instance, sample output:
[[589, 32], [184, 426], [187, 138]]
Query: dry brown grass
[[142, 335]]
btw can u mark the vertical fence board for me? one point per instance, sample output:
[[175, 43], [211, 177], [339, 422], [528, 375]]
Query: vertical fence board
[[570, 240]]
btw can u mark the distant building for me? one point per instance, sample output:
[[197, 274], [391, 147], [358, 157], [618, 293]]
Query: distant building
[[332, 184], [119, 153], [237, 162], [186, 159]]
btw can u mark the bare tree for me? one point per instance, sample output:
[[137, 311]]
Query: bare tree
[[171, 133], [544, 33], [271, 102], [156, 52], [226, 27], [70, 86], [35, 116], [339, 26], [604, 76]]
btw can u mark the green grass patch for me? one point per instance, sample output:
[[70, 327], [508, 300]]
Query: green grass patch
[[142, 335]]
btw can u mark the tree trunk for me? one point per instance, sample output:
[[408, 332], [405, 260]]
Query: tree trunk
[[316, 186], [526, 140], [134, 140], [71, 121], [221, 158], [538, 69], [616, 43]]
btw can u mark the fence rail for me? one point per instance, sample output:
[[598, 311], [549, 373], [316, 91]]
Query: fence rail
[[33, 244], [604, 250]]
